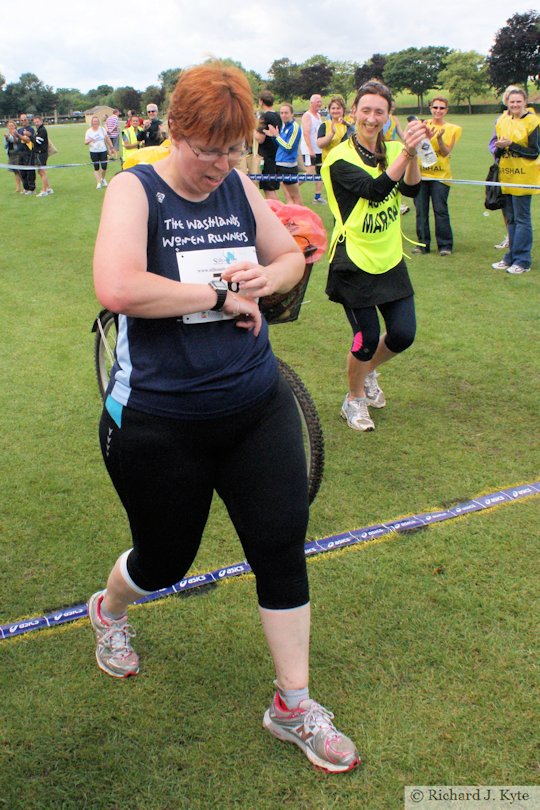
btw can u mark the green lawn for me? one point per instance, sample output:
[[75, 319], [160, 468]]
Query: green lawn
[[423, 645]]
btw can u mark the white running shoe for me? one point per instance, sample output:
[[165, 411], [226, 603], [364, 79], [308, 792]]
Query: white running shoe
[[114, 653], [310, 727], [50, 191], [104, 183], [503, 244], [98, 185], [355, 411], [516, 270], [502, 265], [43, 194], [374, 394]]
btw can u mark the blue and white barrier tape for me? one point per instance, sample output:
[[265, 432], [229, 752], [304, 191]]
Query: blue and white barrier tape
[[350, 538], [311, 177], [303, 178], [34, 167]]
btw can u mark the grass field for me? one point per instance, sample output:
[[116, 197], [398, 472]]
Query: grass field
[[425, 646]]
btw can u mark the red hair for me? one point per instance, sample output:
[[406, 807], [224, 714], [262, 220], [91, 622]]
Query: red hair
[[214, 103]]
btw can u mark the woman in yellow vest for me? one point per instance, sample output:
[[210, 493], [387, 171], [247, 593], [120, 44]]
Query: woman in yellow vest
[[518, 148], [364, 178], [392, 129], [336, 129], [444, 137], [129, 137]]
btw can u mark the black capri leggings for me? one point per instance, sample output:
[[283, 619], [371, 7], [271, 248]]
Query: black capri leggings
[[400, 321], [99, 159], [166, 470]]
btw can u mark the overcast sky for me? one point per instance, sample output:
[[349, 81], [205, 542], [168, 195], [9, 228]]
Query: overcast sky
[[67, 43]]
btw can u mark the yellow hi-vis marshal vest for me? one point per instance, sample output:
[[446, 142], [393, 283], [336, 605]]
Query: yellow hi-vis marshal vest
[[341, 131], [513, 169], [391, 132], [451, 135], [372, 231], [129, 134]]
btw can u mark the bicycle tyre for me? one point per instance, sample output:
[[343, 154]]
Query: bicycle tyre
[[311, 428], [106, 329]]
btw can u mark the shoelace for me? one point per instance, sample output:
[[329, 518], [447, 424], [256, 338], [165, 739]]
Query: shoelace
[[371, 386], [117, 638], [359, 406], [319, 719]]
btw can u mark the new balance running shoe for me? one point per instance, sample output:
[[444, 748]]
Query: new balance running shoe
[[114, 653], [310, 727]]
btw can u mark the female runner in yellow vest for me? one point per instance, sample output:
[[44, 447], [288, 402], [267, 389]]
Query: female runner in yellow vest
[[518, 148], [364, 178]]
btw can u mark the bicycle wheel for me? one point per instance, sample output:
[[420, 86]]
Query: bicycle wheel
[[105, 327], [311, 428]]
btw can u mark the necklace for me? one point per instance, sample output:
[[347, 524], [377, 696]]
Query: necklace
[[362, 151]]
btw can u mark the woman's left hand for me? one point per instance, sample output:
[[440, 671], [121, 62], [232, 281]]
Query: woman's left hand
[[253, 280], [414, 134]]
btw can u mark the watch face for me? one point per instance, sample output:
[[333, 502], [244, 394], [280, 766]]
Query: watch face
[[219, 285]]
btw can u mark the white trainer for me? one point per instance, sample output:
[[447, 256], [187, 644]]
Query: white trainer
[[355, 411], [310, 727], [516, 270], [114, 653], [502, 265], [374, 394]]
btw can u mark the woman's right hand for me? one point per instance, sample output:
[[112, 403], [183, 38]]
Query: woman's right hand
[[247, 312], [272, 131]]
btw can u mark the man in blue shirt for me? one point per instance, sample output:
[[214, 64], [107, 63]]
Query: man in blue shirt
[[288, 141]]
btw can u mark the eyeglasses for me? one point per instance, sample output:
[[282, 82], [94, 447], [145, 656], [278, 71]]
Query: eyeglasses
[[152, 112], [210, 155], [436, 107]]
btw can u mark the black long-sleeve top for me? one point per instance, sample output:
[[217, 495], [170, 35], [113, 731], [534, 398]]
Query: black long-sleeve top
[[348, 284]]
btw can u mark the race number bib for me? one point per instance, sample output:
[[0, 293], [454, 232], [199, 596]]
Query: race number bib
[[204, 266]]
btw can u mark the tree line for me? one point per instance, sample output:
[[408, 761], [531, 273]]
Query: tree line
[[513, 59]]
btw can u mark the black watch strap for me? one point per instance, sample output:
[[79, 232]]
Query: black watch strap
[[221, 290]]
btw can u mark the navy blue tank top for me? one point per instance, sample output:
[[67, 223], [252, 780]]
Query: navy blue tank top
[[191, 371]]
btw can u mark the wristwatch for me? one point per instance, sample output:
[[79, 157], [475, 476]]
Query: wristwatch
[[221, 289]]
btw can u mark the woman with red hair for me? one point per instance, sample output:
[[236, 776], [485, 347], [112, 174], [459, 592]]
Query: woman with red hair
[[195, 404]]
